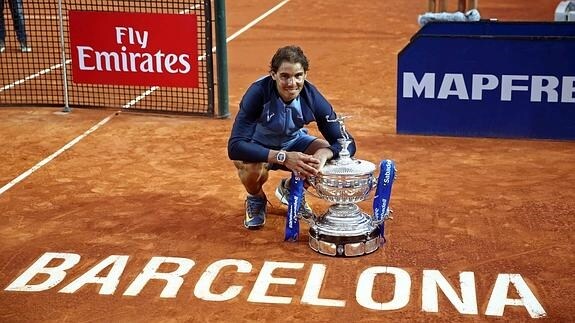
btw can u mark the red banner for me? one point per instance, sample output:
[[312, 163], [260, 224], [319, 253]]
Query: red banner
[[134, 48]]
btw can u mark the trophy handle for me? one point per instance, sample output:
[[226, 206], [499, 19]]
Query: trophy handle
[[311, 220], [385, 217], [374, 184], [312, 180]]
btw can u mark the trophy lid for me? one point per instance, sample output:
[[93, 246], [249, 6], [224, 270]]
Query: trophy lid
[[345, 165], [348, 166]]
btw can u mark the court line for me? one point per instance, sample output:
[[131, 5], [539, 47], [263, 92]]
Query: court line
[[202, 57], [255, 21], [54, 155], [33, 76], [27, 173]]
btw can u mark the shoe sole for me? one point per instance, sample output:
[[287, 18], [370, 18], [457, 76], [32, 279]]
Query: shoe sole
[[254, 227]]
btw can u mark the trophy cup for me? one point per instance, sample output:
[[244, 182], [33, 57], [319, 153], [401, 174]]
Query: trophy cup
[[344, 230]]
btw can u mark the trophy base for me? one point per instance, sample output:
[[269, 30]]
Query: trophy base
[[344, 231]]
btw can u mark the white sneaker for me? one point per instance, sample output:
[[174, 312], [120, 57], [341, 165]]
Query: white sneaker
[[282, 193]]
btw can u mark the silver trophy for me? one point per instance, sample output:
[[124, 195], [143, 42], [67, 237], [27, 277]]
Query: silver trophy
[[344, 230]]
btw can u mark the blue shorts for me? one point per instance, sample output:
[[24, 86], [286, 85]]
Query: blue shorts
[[301, 143]]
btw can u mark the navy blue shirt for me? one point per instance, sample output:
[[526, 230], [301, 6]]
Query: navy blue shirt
[[265, 122]]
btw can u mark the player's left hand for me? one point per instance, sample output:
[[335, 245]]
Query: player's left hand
[[323, 155]]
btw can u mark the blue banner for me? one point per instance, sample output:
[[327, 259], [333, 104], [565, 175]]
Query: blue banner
[[383, 193], [497, 86], [484, 28], [296, 190]]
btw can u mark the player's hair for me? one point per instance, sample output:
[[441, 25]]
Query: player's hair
[[292, 54]]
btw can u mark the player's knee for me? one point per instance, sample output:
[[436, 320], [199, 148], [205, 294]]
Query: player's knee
[[252, 175], [251, 171], [245, 167]]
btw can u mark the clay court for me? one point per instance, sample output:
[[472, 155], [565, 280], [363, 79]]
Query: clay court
[[161, 187]]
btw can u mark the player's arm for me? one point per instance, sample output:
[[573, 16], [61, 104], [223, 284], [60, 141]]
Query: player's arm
[[331, 131], [240, 145], [323, 155]]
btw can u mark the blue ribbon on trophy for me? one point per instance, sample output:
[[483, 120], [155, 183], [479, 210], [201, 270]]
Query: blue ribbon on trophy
[[296, 189], [383, 193]]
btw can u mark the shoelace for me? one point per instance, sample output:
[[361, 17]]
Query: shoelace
[[255, 205]]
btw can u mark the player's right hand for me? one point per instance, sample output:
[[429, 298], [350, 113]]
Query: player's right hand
[[306, 165]]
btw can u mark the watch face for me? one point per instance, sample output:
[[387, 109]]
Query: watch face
[[281, 156]]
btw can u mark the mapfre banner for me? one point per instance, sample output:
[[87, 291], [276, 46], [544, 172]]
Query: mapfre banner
[[134, 48], [488, 79]]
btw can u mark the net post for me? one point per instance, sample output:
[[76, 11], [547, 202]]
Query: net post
[[63, 51], [222, 59]]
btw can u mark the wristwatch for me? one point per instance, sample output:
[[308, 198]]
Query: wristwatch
[[281, 157]]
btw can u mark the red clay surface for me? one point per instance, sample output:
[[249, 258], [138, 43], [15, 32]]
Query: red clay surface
[[147, 186]]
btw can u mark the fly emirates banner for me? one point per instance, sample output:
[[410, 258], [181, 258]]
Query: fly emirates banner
[[145, 49]]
